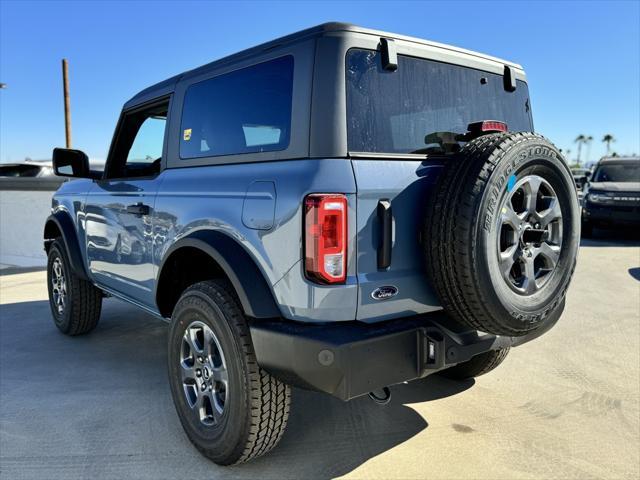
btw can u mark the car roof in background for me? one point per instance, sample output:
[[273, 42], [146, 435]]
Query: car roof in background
[[610, 160]]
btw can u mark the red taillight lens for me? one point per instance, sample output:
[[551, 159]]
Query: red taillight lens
[[488, 126], [325, 246]]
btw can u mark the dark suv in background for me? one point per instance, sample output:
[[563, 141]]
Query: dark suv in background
[[612, 195]]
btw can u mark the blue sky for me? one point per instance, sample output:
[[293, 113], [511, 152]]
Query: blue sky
[[582, 58]]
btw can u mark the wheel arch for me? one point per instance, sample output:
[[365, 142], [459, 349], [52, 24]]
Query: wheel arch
[[60, 225], [225, 257]]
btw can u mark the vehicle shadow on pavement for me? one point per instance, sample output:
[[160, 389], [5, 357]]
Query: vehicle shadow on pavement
[[106, 394], [328, 438], [11, 270], [612, 238]]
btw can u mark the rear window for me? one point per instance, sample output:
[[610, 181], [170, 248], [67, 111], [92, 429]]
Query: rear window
[[424, 105], [245, 111]]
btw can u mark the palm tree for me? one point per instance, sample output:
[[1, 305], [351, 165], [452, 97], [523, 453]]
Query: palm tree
[[587, 142], [580, 140], [608, 139]]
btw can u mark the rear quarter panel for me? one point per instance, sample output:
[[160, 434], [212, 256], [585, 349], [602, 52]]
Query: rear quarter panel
[[217, 197]]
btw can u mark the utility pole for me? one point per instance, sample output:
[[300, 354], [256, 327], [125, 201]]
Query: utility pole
[[67, 103]]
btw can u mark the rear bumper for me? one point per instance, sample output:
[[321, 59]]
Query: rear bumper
[[351, 359]]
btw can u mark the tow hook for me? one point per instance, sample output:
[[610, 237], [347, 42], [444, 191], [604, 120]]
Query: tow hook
[[381, 396]]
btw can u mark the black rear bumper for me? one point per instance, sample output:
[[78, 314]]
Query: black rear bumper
[[351, 359]]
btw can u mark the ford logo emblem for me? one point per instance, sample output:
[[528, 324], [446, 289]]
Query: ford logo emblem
[[385, 292]]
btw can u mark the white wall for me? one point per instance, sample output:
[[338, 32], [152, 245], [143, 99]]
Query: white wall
[[22, 217]]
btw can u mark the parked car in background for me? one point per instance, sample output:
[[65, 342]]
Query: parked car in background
[[38, 169], [28, 168], [612, 195], [580, 176]]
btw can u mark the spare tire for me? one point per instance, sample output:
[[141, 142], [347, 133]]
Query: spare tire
[[502, 233]]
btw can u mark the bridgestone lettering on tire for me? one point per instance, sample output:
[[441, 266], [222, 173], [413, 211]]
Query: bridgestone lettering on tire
[[502, 233], [242, 411]]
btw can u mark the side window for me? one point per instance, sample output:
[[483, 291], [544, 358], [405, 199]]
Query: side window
[[138, 149], [245, 111], [147, 146]]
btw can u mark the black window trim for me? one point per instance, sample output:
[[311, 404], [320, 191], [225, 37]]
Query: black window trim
[[164, 99]]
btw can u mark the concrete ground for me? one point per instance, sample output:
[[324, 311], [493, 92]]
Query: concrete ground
[[564, 406]]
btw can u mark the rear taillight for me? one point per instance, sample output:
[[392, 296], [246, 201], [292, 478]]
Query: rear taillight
[[325, 245]]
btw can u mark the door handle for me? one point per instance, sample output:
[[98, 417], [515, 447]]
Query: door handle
[[385, 219], [138, 209]]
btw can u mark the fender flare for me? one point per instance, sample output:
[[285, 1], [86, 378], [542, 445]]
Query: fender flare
[[247, 279], [66, 227]]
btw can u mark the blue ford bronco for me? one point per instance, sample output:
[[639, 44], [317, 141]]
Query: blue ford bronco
[[340, 210]]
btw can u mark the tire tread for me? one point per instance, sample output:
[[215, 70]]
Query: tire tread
[[86, 299], [270, 399]]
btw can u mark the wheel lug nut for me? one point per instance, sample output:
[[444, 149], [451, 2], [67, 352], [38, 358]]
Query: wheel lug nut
[[204, 387], [198, 373], [201, 360]]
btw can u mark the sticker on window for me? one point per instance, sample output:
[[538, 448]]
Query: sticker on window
[[186, 135]]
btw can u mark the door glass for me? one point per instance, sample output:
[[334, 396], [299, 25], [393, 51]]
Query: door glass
[[137, 151], [145, 153]]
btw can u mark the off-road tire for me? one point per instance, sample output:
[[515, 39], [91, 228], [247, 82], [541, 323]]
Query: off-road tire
[[83, 304], [256, 408], [460, 233], [478, 365]]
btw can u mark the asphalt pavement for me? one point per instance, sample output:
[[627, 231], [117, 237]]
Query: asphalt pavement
[[564, 406]]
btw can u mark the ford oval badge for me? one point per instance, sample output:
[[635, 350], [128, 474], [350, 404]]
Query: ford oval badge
[[385, 292]]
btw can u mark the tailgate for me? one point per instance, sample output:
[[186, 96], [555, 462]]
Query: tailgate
[[405, 184]]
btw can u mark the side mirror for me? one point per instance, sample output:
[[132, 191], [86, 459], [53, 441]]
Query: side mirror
[[70, 163]]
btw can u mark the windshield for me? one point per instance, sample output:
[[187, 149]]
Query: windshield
[[628, 172], [424, 106]]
